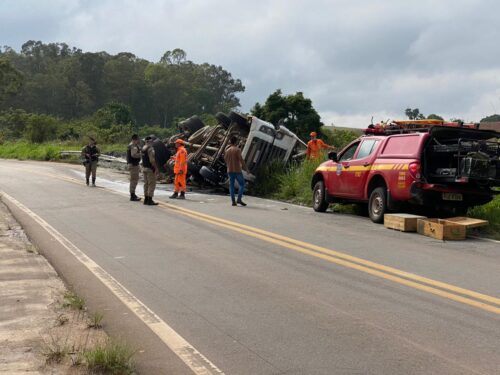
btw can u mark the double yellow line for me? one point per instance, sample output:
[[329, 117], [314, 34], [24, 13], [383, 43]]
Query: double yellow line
[[438, 288], [468, 297]]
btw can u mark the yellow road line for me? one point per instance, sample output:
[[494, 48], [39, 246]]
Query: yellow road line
[[344, 256], [348, 264], [372, 268]]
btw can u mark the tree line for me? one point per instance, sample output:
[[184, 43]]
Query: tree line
[[64, 82]]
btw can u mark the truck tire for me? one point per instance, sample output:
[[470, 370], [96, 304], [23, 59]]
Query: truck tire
[[377, 204], [209, 175], [223, 119], [241, 120], [162, 154], [320, 203], [192, 124], [198, 136]]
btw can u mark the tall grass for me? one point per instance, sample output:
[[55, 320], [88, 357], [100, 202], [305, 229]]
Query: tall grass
[[490, 212], [51, 151], [114, 357]]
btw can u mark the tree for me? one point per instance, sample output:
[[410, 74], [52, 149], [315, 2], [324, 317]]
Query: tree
[[492, 118], [294, 111], [414, 114], [113, 113], [434, 117], [40, 128], [11, 79], [64, 82]]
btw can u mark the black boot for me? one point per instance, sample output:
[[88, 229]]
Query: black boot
[[152, 202], [87, 181], [234, 203], [174, 196], [183, 195], [134, 198], [146, 200], [240, 202], [93, 183]]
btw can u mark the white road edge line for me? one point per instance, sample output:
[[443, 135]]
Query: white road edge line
[[196, 361]]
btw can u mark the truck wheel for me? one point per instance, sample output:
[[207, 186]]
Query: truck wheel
[[209, 175], [241, 120], [199, 135], [223, 119], [319, 197], [192, 124], [377, 205]]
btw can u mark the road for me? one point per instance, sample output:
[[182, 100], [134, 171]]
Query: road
[[204, 287]]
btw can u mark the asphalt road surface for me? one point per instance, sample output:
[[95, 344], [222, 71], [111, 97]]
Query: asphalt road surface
[[202, 287]]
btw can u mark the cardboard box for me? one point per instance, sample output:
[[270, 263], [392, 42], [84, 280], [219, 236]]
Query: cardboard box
[[441, 229], [402, 222]]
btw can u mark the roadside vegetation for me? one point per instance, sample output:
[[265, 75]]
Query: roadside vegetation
[[490, 212], [77, 341], [112, 357]]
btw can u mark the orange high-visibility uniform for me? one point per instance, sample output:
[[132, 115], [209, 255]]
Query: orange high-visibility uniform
[[180, 169], [314, 146]]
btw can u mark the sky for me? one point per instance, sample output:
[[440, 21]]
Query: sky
[[355, 59]]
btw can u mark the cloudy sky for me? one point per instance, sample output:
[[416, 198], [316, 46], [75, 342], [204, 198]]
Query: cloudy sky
[[354, 58]]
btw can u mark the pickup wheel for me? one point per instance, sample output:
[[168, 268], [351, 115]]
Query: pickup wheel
[[377, 205], [319, 197]]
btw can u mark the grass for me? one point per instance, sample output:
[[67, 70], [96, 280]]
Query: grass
[[113, 357], [95, 320], [73, 301], [490, 212], [55, 352], [51, 151]]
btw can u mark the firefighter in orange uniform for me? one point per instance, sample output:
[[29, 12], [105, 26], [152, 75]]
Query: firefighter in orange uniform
[[180, 171], [314, 147]]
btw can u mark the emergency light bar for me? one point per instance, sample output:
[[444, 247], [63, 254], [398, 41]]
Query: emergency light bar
[[413, 126]]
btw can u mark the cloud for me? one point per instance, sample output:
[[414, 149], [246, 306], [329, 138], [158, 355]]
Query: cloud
[[353, 59]]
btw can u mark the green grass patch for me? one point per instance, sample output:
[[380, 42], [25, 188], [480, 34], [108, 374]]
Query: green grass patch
[[52, 151], [113, 357], [73, 301], [490, 212]]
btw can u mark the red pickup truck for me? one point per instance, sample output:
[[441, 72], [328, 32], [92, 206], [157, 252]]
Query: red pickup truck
[[445, 167]]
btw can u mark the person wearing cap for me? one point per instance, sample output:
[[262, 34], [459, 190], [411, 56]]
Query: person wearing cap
[[149, 170], [180, 170], [90, 156], [133, 160], [314, 147]]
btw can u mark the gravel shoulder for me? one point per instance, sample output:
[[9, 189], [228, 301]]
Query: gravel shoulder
[[38, 333]]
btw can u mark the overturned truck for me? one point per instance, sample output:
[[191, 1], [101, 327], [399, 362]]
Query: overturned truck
[[261, 142]]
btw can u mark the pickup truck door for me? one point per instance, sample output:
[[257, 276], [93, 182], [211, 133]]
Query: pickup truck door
[[339, 169], [355, 171]]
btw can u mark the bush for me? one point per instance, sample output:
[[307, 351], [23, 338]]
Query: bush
[[295, 184], [40, 128], [111, 358], [490, 212]]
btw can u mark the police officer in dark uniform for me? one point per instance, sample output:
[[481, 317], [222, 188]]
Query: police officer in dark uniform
[[90, 156], [133, 160]]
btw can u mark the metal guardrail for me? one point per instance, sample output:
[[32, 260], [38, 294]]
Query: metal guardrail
[[101, 157]]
